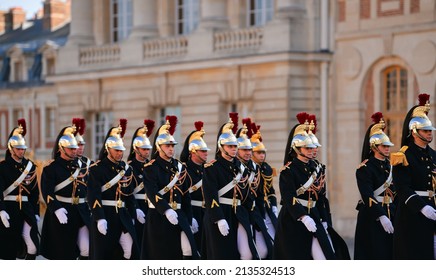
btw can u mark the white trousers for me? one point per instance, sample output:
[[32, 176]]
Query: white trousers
[[31, 247]]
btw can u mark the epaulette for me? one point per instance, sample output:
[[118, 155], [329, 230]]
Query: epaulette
[[210, 163], [274, 171], [399, 157], [95, 163], [149, 163], [363, 163], [285, 166]]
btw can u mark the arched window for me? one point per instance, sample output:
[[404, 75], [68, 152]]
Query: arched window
[[187, 16], [394, 101]]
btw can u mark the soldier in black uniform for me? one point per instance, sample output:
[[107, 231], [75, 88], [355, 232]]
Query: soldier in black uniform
[[80, 131], [113, 205], [260, 233], [300, 234], [414, 176], [65, 229], [138, 157], [194, 156], [374, 229], [266, 200], [227, 228], [168, 233], [19, 194]]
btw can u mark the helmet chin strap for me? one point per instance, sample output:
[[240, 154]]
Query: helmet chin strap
[[66, 154], [225, 152], [140, 155], [380, 152], [300, 153]]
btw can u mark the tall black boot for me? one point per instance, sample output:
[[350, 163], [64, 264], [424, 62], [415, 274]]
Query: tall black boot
[[83, 258], [30, 256], [187, 257]]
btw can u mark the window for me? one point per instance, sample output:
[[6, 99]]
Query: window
[[259, 12], [18, 71], [50, 64], [102, 122], [121, 19], [394, 95], [50, 125], [187, 15]]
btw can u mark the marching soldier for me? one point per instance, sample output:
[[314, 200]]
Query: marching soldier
[[227, 229], [266, 200], [138, 157], [19, 208], [414, 177], [194, 156], [65, 230], [113, 205], [374, 229], [261, 236], [168, 230], [300, 234]]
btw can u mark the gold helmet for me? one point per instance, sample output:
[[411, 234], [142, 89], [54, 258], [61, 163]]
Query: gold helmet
[[80, 130], [312, 130], [419, 116], [244, 135], [140, 139], [196, 142], [256, 139], [300, 137], [16, 138], [165, 133], [376, 134], [227, 136], [115, 137], [67, 140]]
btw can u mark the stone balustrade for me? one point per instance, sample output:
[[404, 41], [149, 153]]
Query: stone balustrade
[[165, 47], [233, 40], [99, 54]]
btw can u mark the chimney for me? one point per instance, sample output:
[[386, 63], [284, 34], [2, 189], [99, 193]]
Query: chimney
[[2, 22], [15, 18], [56, 13]]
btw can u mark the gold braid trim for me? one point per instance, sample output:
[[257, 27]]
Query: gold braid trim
[[399, 157]]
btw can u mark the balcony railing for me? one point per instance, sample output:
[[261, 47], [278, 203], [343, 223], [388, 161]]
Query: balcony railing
[[167, 47], [234, 40], [99, 54]]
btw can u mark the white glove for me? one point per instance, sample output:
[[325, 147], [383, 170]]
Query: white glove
[[5, 218], [387, 224], [172, 216], [194, 226], [37, 218], [140, 216], [275, 210], [223, 226], [61, 214], [429, 212], [102, 226], [325, 225], [309, 223]]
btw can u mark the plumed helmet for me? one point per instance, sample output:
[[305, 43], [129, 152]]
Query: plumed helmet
[[244, 134], [80, 130], [140, 139], [115, 137], [68, 140], [375, 135], [312, 130], [16, 138], [417, 119], [301, 138], [256, 139], [165, 133], [194, 142], [226, 134]]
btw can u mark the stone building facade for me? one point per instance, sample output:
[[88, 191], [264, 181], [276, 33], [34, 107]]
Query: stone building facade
[[268, 60]]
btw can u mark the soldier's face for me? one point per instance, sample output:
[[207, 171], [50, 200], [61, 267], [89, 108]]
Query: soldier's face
[[68, 153], [117, 155], [142, 154], [426, 134], [80, 150], [19, 153], [167, 151], [199, 156], [231, 150], [245, 154], [259, 156]]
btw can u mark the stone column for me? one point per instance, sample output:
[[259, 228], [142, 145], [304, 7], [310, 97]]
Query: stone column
[[213, 14], [290, 8], [144, 19], [81, 26]]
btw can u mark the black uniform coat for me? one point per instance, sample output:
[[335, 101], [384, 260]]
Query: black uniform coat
[[59, 241], [119, 219], [266, 194], [10, 238], [414, 233], [371, 242], [195, 173], [161, 239], [293, 240], [217, 175], [139, 193]]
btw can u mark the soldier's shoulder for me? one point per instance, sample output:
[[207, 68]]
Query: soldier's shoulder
[[210, 163], [362, 164], [286, 166], [150, 163]]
